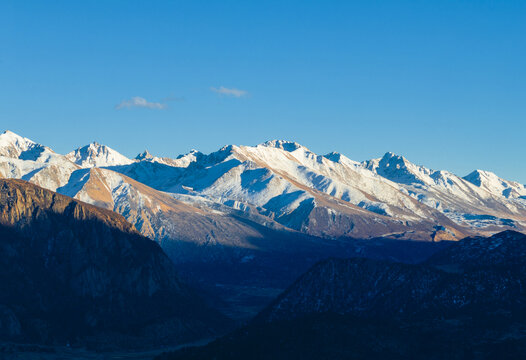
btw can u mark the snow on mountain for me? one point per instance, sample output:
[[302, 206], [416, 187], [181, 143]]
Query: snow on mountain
[[273, 206], [280, 183], [286, 182], [97, 155], [17, 147], [480, 200], [398, 169], [22, 158], [145, 155], [13, 145], [495, 185], [180, 161], [296, 187]]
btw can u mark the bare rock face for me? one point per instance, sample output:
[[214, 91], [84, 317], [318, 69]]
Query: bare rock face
[[76, 273]]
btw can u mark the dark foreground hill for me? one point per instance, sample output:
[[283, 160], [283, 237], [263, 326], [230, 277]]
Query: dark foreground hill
[[72, 273], [468, 301]]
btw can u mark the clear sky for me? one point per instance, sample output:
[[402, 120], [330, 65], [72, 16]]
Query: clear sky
[[440, 82]]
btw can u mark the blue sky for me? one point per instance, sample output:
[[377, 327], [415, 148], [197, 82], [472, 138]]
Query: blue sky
[[440, 82]]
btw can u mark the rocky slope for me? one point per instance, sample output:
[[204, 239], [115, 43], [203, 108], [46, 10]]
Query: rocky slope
[[472, 275], [78, 274], [466, 301]]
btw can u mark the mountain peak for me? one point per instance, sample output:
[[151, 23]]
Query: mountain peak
[[13, 145], [286, 145], [340, 158], [333, 156], [196, 153], [476, 177], [9, 135], [494, 184], [144, 155], [97, 155], [396, 168], [391, 156]]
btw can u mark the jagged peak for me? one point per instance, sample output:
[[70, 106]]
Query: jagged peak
[[333, 156], [96, 155], [286, 145], [391, 156], [144, 155], [95, 146], [194, 152], [340, 158], [397, 168]]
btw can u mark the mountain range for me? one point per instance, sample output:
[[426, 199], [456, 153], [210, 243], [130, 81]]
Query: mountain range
[[279, 184], [251, 207]]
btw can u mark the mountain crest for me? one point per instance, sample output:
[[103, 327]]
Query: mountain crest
[[144, 155], [97, 155], [478, 177], [397, 169], [13, 145], [286, 145], [18, 147], [494, 184]]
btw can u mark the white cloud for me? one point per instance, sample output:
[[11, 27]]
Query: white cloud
[[229, 92], [140, 102]]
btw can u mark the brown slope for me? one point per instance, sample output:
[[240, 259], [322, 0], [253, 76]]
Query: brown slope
[[171, 222], [74, 273]]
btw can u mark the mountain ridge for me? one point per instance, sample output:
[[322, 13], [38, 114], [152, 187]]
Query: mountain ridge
[[286, 183], [76, 273]]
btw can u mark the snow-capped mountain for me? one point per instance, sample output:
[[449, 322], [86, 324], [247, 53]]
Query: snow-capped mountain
[[270, 207], [333, 196], [97, 155], [480, 200], [180, 161], [17, 147], [495, 185], [278, 184]]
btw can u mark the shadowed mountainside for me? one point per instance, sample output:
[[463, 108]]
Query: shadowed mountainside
[[78, 274], [466, 302]]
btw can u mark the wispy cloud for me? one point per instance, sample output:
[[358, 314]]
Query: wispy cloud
[[140, 102], [229, 92]]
